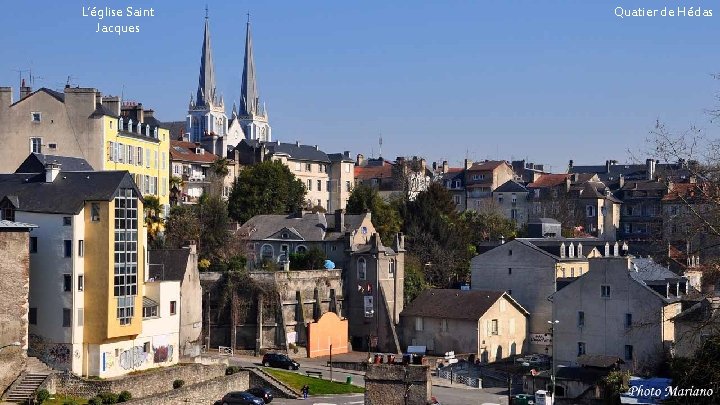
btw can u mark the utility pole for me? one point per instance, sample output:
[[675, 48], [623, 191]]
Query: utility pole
[[331, 365], [509, 389]]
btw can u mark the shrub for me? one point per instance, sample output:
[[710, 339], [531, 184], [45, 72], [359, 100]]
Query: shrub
[[42, 395], [95, 401], [124, 396], [178, 383], [232, 370], [108, 397]]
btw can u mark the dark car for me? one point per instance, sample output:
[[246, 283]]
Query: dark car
[[262, 393], [239, 398], [279, 360]]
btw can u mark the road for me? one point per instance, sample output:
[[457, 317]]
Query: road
[[446, 395]]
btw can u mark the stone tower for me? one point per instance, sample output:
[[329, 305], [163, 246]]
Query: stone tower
[[252, 115]]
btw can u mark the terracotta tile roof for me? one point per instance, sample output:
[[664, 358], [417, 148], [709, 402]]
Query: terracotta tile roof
[[185, 152], [487, 165], [373, 172], [690, 192], [549, 180]]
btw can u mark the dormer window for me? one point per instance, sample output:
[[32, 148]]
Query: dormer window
[[155, 132], [147, 130], [198, 151], [35, 116], [285, 235], [120, 124]]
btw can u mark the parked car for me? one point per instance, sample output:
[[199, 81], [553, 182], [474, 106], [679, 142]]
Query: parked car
[[262, 393], [240, 398], [279, 360]]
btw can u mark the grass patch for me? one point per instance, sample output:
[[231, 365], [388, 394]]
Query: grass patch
[[317, 386], [65, 399]]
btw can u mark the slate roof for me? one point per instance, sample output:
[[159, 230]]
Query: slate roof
[[67, 194], [455, 304], [340, 157], [298, 152], [174, 263], [35, 163], [487, 165], [644, 185], [101, 110], [185, 152], [511, 186], [312, 227], [176, 128], [5, 225], [646, 269]]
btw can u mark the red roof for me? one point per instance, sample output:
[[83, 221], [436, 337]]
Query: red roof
[[690, 192], [185, 152], [373, 172], [549, 180]]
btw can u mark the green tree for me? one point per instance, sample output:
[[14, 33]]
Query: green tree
[[700, 371], [414, 282], [153, 221], [488, 223], [437, 236], [181, 226], [310, 260], [385, 217], [213, 217], [265, 188]]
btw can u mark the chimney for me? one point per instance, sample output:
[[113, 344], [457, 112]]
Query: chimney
[[570, 164], [192, 247], [434, 166], [112, 103], [468, 163], [650, 168], [340, 220], [346, 154], [80, 100], [6, 97], [621, 180], [149, 113], [316, 147], [608, 163], [445, 167], [297, 143], [51, 172], [359, 160], [423, 165], [24, 90]]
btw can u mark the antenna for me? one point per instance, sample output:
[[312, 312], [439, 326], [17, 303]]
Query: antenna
[[380, 143]]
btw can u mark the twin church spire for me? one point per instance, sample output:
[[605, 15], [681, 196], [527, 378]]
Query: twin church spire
[[252, 115]]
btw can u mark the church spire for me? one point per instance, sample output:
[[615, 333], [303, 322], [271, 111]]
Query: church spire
[[249, 98], [206, 82]]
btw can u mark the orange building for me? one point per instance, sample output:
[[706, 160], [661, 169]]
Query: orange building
[[330, 329]]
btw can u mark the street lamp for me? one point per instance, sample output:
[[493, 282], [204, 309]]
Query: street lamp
[[552, 370]]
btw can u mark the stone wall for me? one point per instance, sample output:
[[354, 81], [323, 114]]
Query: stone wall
[[14, 285], [387, 384], [140, 385], [206, 392]]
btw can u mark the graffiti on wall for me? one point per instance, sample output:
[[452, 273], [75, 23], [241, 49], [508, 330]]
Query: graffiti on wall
[[163, 353], [132, 358], [56, 355], [109, 359]]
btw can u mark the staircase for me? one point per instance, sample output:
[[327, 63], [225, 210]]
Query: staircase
[[25, 386]]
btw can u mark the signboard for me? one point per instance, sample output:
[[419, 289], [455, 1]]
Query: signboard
[[369, 307], [541, 338]]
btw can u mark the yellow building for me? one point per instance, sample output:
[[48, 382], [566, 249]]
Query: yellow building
[[92, 309], [81, 123]]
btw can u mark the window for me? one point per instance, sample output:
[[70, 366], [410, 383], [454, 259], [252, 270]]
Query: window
[[32, 316], [514, 213], [391, 268], [121, 153], [173, 307], [267, 251], [510, 252], [347, 167], [590, 210], [572, 271], [35, 116], [125, 254], [67, 282], [348, 186], [309, 185], [319, 185], [150, 312], [361, 269], [308, 167], [67, 317], [628, 320], [298, 166], [581, 319], [130, 155], [33, 244], [628, 352], [419, 324], [509, 270], [494, 327], [140, 156], [67, 221], [444, 325], [605, 291], [95, 212], [457, 200], [80, 316], [581, 348], [67, 248], [146, 347], [35, 145], [500, 199], [147, 158], [514, 199], [81, 282], [81, 248], [301, 249]]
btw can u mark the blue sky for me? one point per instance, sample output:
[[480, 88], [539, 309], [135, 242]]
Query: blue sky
[[544, 80]]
